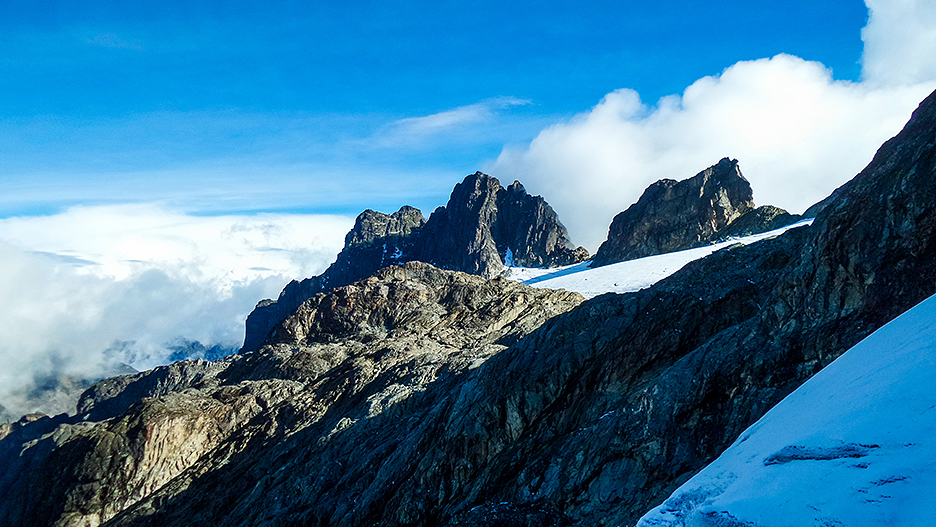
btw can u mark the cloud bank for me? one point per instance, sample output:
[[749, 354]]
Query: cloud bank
[[796, 131], [77, 283]]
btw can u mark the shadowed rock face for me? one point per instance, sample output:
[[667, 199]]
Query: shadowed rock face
[[427, 397], [482, 225], [483, 222], [673, 216]]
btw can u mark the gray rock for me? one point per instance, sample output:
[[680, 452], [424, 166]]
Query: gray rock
[[673, 216], [762, 219], [481, 227], [483, 222], [376, 240]]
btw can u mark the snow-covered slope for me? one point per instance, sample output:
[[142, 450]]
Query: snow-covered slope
[[624, 277], [855, 445]]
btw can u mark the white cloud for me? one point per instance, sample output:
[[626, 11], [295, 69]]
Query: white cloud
[[797, 133], [76, 282], [414, 129], [118, 241], [900, 42]]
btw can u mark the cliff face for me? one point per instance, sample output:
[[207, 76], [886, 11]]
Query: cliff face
[[420, 396], [673, 216], [481, 227]]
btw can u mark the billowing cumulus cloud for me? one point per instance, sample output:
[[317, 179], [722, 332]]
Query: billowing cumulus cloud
[[77, 283], [797, 133], [899, 41]]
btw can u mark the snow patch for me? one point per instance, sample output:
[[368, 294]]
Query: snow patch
[[629, 276], [509, 258]]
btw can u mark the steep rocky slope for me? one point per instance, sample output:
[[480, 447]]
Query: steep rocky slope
[[427, 397], [852, 446], [482, 226], [676, 215], [362, 353]]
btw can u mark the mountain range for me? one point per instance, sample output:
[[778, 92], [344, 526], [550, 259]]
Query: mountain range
[[414, 383]]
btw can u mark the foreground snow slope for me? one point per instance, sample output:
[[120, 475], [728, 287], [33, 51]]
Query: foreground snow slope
[[855, 445], [625, 277]]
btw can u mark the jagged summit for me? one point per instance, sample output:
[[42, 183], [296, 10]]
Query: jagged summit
[[482, 227], [485, 225], [676, 215]]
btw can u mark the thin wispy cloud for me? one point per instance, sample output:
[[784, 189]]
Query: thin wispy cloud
[[414, 129]]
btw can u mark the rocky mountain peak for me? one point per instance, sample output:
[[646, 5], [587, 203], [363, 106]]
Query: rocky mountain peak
[[676, 215], [485, 227], [371, 225], [377, 240], [482, 227]]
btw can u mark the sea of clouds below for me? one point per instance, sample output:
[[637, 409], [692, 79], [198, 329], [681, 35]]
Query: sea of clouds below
[[88, 289]]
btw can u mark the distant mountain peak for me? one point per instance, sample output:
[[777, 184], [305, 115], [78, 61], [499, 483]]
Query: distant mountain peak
[[482, 226], [677, 215]]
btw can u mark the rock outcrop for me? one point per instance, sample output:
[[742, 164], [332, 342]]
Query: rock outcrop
[[377, 240], [427, 397], [673, 216], [483, 226], [762, 219]]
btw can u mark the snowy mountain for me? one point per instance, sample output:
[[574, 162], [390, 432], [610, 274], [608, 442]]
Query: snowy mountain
[[630, 275], [855, 445]]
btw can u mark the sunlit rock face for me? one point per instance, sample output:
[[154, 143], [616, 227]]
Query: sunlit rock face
[[351, 365]]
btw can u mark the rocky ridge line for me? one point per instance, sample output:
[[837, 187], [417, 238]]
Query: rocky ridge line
[[482, 226]]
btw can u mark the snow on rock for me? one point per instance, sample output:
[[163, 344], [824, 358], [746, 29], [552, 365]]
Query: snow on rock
[[854, 445], [625, 277]]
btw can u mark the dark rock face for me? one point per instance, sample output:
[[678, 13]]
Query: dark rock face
[[484, 222], [475, 232], [532, 232], [673, 216], [428, 397], [762, 219], [460, 236]]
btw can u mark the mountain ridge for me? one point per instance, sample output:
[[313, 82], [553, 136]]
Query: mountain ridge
[[671, 215], [482, 226], [420, 396]]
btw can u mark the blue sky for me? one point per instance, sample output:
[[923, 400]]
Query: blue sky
[[218, 107]]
